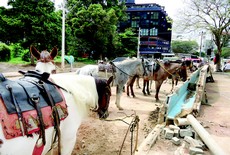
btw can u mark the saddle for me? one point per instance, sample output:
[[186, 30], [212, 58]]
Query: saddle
[[27, 104]]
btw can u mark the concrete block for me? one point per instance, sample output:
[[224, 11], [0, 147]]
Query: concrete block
[[176, 141], [169, 134], [186, 132], [176, 133], [195, 151], [174, 127], [193, 142]]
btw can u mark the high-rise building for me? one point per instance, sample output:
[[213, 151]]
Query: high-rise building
[[153, 26]]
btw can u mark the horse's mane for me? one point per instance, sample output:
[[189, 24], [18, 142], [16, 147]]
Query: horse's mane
[[127, 62], [83, 89]]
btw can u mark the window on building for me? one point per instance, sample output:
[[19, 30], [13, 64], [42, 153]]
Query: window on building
[[153, 32], [134, 24], [154, 15], [154, 23], [144, 32]]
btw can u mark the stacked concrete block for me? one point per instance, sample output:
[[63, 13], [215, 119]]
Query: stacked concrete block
[[184, 137]]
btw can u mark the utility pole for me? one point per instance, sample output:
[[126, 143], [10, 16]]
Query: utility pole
[[63, 36], [201, 41], [138, 44]]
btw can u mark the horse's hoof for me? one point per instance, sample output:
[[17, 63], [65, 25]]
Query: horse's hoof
[[120, 108], [149, 94], [134, 96]]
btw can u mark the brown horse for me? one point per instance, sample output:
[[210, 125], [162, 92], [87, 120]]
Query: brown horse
[[160, 71]]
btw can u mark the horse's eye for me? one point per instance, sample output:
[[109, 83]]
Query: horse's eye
[[53, 72]]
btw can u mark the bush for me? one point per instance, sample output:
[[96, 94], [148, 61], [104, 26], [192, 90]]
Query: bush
[[4, 52], [16, 50], [26, 55]]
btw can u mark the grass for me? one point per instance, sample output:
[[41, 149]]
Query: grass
[[18, 60], [78, 63]]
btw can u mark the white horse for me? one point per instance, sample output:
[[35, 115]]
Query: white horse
[[123, 71], [83, 93], [91, 70]]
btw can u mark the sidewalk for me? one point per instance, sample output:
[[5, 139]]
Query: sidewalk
[[215, 117]]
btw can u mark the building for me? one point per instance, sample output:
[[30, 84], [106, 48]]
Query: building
[[152, 26]]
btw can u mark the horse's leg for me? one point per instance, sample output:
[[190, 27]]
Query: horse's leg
[[137, 83], [118, 96], [131, 85], [144, 85], [173, 78], [127, 89], [148, 92], [150, 85], [158, 86]]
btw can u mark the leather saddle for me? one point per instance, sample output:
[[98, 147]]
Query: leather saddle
[[25, 89]]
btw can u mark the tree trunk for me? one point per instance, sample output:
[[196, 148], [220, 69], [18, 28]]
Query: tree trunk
[[31, 58]]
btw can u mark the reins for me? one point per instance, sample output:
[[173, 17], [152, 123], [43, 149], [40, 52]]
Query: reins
[[163, 67], [132, 125]]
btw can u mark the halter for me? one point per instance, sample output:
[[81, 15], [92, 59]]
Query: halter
[[104, 93]]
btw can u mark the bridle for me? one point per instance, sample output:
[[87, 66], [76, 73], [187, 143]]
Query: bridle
[[104, 93], [105, 103], [46, 58]]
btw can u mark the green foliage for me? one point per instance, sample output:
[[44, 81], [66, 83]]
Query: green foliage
[[97, 23], [16, 50], [184, 46], [225, 52], [31, 22], [127, 45], [4, 52], [26, 56]]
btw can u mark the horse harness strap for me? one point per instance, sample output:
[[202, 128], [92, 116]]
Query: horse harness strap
[[120, 69], [41, 85], [164, 68], [18, 110], [56, 119], [44, 77]]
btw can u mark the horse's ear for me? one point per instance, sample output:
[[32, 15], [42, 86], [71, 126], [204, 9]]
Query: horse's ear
[[35, 53], [54, 53], [109, 80]]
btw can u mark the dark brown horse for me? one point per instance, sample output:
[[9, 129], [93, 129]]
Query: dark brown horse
[[160, 71]]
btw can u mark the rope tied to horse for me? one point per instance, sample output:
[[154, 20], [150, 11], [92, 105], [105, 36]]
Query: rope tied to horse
[[163, 67], [113, 71], [134, 124]]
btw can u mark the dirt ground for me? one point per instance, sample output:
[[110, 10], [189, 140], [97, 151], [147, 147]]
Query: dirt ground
[[113, 136]]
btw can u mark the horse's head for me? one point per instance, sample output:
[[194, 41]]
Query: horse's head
[[183, 72], [104, 93], [45, 59]]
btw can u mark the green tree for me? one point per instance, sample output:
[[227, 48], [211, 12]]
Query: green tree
[[95, 28], [184, 46], [210, 15], [225, 52], [31, 22]]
